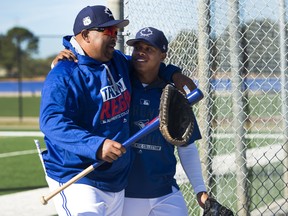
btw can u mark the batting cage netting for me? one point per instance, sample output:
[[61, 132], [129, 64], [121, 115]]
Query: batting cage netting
[[236, 51]]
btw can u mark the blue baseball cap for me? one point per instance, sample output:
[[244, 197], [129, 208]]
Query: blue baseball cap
[[151, 36], [96, 17]]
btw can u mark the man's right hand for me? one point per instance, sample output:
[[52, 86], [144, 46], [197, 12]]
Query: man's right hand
[[110, 151], [180, 80]]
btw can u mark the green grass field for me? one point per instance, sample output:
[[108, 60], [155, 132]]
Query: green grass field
[[10, 106], [260, 105], [22, 171]]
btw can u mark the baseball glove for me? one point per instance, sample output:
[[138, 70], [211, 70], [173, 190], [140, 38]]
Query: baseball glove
[[176, 116], [214, 208]]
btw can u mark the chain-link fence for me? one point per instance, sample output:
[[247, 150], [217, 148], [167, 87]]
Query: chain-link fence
[[236, 51]]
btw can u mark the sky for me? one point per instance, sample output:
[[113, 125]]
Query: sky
[[53, 19], [50, 20]]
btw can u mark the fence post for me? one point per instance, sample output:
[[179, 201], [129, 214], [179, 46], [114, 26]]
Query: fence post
[[284, 88], [205, 106], [237, 107], [117, 8], [19, 65]]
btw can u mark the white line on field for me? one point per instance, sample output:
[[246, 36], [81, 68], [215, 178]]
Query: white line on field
[[21, 134], [249, 136], [17, 153]]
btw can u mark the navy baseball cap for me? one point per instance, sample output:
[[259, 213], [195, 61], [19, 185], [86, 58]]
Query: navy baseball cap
[[151, 36], [96, 17]]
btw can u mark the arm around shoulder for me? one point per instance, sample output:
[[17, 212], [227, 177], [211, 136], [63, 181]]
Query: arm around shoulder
[[172, 73], [166, 72]]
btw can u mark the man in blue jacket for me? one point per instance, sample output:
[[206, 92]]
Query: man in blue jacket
[[84, 115]]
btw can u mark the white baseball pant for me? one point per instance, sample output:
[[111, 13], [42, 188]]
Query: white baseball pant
[[85, 200], [171, 204]]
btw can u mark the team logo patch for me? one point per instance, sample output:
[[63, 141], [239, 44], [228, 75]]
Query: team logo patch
[[144, 102], [86, 21], [107, 11], [141, 123], [146, 32]]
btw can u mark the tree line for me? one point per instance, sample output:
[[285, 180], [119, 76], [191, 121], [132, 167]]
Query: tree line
[[260, 41], [17, 47], [260, 49]]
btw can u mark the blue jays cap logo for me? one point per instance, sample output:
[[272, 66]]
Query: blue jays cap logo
[[146, 32], [107, 11]]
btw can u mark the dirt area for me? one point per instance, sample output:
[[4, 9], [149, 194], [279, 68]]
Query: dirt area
[[15, 123]]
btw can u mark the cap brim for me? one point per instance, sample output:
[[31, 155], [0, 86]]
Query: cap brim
[[117, 23], [131, 42]]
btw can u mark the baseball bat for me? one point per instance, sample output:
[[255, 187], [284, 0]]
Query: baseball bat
[[37, 143], [193, 97]]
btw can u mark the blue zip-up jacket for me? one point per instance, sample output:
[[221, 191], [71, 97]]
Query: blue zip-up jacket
[[81, 106], [154, 165]]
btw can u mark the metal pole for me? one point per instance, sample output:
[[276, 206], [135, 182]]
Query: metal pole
[[117, 8], [237, 107], [284, 88], [205, 107], [19, 65]]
